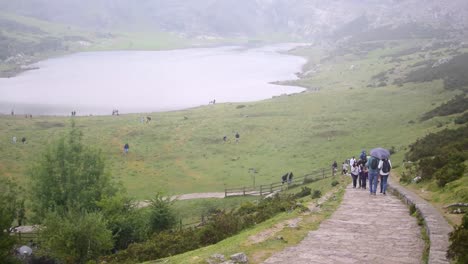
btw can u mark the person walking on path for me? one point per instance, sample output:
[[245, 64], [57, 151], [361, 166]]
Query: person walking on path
[[363, 156], [364, 175], [373, 166], [384, 166], [354, 174], [334, 167], [126, 147], [352, 161], [237, 137]]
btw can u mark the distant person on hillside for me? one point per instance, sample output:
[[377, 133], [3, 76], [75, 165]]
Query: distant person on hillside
[[148, 119], [334, 167], [224, 138], [14, 139], [126, 147], [290, 177], [373, 166], [384, 166], [344, 170], [23, 140], [284, 178], [237, 137]]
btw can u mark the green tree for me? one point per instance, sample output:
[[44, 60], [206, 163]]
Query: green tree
[[76, 237], [125, 220], [69, 175], [10, 201], [162, 216]]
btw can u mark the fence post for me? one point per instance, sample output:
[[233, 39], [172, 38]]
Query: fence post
[[323, 173], [261, 190], [225, 192], [305, 179], [271, 188], [244, 191]]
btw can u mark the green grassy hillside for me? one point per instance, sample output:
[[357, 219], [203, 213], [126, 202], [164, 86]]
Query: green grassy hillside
[[183, 151]]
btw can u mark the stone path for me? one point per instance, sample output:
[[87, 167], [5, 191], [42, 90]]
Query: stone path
[[364, 229]]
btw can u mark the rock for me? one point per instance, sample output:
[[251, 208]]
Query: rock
[[240, 258], [216, 259]]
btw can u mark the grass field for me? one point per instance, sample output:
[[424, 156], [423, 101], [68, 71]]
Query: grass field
[[183, 152]]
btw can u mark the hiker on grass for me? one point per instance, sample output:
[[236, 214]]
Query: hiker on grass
[[23, 140], [284, 178], [363, 156], [373, 167], [384, 166], [14, 139], [344, 170], [354, 173], [334, 167], [237, 137], [290, 177], [126, 147]]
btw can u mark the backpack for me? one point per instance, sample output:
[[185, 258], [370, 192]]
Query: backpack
[[374, 164], [386, 166]]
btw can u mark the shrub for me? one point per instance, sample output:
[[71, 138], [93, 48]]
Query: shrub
[[459, 242], [463, 119], [240, 106], [450, 172], [458, 104], [334, 183], [316, 194], [303, 193]]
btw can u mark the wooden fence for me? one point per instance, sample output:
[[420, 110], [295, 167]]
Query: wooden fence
[[266, 189]]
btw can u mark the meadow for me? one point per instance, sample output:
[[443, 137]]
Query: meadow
[[183, 151]]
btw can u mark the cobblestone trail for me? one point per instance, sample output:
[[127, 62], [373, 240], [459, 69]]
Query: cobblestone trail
[[364, 229]]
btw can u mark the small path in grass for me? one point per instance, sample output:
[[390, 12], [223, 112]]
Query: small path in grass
[[188, 196], [364, 229]]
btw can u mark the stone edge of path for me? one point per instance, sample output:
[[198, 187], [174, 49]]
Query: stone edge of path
[[437, 227]]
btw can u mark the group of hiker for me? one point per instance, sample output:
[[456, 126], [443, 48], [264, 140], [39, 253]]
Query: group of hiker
[[366, 168], [14, 140]]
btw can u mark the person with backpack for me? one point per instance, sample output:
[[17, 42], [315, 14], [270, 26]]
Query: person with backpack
[[384, 166], [126, 147], [373, 167]]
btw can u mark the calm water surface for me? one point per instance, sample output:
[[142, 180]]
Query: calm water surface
[[145, 81]]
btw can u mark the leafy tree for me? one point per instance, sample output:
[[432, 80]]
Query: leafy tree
[[76, 237], [162, 216], [126, 222], [69, 175], [9, 203]]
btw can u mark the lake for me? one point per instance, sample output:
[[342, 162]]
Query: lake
[[147, 81]]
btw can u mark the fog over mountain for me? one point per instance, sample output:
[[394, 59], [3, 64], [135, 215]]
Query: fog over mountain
[[308, 19]]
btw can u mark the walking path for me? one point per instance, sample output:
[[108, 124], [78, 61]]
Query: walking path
[[364, 229]]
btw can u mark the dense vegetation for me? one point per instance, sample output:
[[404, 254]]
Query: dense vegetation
[[459, 238], [452, 71], [458, 104]]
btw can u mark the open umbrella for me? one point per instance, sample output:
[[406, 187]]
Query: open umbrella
[[380, 153], [25, 251]]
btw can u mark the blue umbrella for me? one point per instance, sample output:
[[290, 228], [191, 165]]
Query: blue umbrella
[[380, 153]]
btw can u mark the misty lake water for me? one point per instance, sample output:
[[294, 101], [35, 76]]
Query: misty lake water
[[146, 81]]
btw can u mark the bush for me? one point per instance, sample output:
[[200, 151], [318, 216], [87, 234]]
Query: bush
[[450, 172], [459, 242], [316, 194], [458, 104], [463, 119], [305, 191], [334, 183]]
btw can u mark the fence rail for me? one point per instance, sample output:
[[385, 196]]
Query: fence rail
[[266, 189]]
